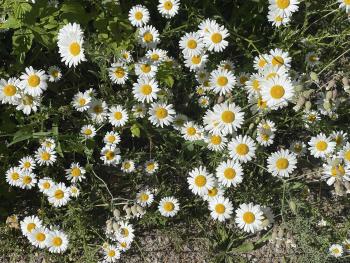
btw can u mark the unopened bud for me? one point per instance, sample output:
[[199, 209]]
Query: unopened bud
[[308, 105], [327, 105], [345, 81], [116, 213], [331, 84], [329, 95]]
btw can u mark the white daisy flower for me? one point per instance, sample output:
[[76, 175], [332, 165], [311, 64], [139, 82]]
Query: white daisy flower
[[139, 110], [279, 58], [229, 117], [336, 250], [74, 191], [139, 15], [75, 173], [168, 206], [111, 138], [261, 61], [321, 146], [118, 117], [345, 153], [204, 101], [88, 131], [168, 8], [216, 142], [118, 73], [222, 81], [281, 163], [265, 132], [196, 62], [13, 176], [249, 217], [125, 232], [128, 166], [253, 85], [268, 217], [226, 64], [59, 195], [156, 55], [287, 7], [45, 185], [145, 198], [27, 164], [48, 143], [214, 192], [229, 173], [191, 131], [151, 166], [70, 44], [206, 25], [277, 92], [9, 90], [111, 254], [271, 71], [27, 103], [45, 156], [148, 37], [145, 69], [55, 73], [33, 82], [242, 148], [57, 241], [311, 118], [344, 4], [145, 90], [312, 59], [179, 121], [110, 155], [335, 169], [81, 101], [27, 180], [98, 111], [221, 208], [339, 137], [277, 18], [200, 180], [191, 44], [242, 79], [124, 246], [346, 245], [258, 105], [161, 114], [38, 237], [214, 39], [30, 223], [298, 148], [125, 56]]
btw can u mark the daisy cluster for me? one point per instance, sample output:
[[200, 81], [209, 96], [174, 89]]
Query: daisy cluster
[[42, 237], [338, 250], [280, 11]]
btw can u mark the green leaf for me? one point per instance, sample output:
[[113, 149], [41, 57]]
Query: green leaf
[[244, 248], [169, 80], [11, 22], [22, 41], [23, 134], [135, 131]]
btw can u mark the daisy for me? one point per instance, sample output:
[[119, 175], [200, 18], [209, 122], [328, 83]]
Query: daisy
[[221, 208], [345, 153], [145, 69], [124, 246], [29, 223], [229, 173], [253, 85], [45, 185], [222, 81], [179, 121], [266, 132], [196, 62], [48, 143], [230, 117], [334, 170], [70, 44], [261, 61], [139, 15], [200, 180], [278, 57], [277, 92], [111, 138], [57, 241], [161, 114], [268, 217], [242, 148], [75, 173], [339, 137], [148, 36], [145, 90], [271, 71], [242, 79], [277, 18], [216, 142], [145, 198], [321, 146], [311, 117], [33, 82], [13, 176], [38, 237], [27, 164], [191, 131], [74, 191], [88, 131], [191, 44], [287, 7], [258, 105], [344, 4], [81, 101], [118, 117], [206, 25], [118, 73], [249, 217], [298, 148], [59, 195], [111, 254], [110, 155], [281, 163], [125, 232], [156, 55], [168, 206], [312, 59], [139, 110], [55, 73], [201, 90], [168, 8], [204, 101], [202, 76], [336, 250], [27, 180], [98, 111], [151, 167], [125, 56], [45, 156], [346, 245], [128, 166], [214, 39], [213, 193], [27, 103], [226, 64], [9, 90]]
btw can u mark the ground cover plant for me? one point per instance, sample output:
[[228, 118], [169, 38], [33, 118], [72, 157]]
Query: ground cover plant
[[174, 131]]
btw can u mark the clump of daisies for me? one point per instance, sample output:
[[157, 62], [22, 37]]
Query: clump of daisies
[[280, 11], [43, 237]]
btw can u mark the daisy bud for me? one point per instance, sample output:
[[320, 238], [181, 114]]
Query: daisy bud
[[345, 81], [293, 206], [251, 126], [327, 105], [128, 212], [339, 188], [109, 226], [298, 88], [280, 233], [105, 245], [329, 95], [221, 99], [331, 84], [300, 103], [140, 210], [265, 223], [334, 94], [307, 93], [116, 213], [314, 76], [134, 210], [308, 105], [116, 226]]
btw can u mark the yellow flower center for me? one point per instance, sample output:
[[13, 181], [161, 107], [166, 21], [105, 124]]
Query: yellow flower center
[[200, 180], [168, 5], [138, 15], [118, 115], [30, 227], [109, 155], [277, 92], [220, 208], [111, 138], [248, 217], [213, 192], [9, 90], [261, 103], [46, 185], [45, 156], [347, 2], [191, 131], [243, 80], [40, 237], [127, 165], [26, 165], [145, 68], [215, 139], [277, 61], [81, 101], [119, 72], [336, 250], [265, 137], [191, 44], [74, 48], [311, 118], [297, 148], [338, 170], [228, 116], [229, 173], [55, 73], [282, 163], [216, 38], [321, 146], [88, 132], [168, 206], [271, 75], [278, 18], [76, 172], [144, 197], [283, 4], [313, 58], [27, 100], [57, 241], [339, 140], [111, 253], [256, 85], [262, 63], [125, 232], [196, 60], [33, 81], [59, 194], [347, 155], [27, 180], [146, 89], [98, 109], [161, 113], [150, 167], [242, 149], [14, 176], [222, 81], [148, 37]]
